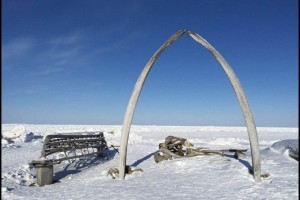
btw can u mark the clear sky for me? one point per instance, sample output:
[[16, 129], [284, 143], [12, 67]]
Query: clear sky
[[76, 62]]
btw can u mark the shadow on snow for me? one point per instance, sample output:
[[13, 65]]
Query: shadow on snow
[[82, 164]]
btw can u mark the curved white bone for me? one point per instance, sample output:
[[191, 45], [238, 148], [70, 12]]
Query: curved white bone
[[252, 133]]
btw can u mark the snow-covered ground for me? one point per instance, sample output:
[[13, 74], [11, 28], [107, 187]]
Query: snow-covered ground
[[201, 177]]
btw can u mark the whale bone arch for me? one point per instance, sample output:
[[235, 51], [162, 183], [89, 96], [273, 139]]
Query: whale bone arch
[[245, 107]]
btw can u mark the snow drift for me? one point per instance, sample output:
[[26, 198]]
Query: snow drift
[[200, 177], [287, 147]]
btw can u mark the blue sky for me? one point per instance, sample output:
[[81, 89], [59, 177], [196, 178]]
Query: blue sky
[[76, 62]]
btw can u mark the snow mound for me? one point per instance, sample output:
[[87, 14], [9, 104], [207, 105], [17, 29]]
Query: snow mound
[[287, 147], [18, 134]]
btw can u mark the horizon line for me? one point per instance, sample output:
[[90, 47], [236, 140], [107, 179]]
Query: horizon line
[[45, 124]]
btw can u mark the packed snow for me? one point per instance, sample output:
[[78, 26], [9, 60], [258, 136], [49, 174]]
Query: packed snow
[[200, 177]]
